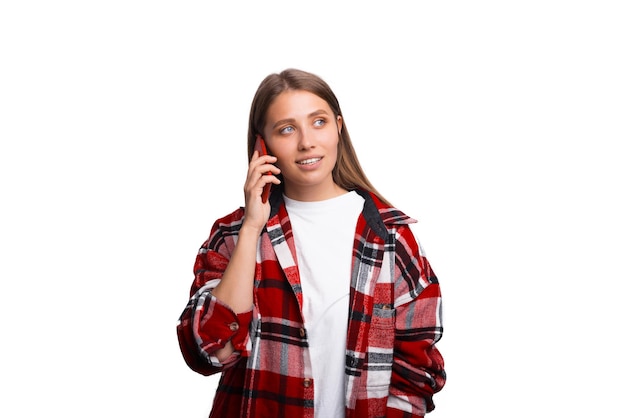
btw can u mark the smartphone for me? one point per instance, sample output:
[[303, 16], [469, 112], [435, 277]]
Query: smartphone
[[259, 146]]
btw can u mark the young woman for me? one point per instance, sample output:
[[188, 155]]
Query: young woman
[[318, 302]]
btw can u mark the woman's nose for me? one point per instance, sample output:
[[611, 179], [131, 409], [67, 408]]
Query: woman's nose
[[306, 140]]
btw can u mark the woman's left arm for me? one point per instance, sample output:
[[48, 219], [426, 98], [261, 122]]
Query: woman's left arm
[[418, 367]]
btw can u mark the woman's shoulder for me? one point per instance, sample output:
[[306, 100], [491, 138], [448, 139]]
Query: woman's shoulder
[[389, 214], [224, 231], [234, 217], [394, 216]]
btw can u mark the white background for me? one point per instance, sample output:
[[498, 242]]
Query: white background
[[499, 125]]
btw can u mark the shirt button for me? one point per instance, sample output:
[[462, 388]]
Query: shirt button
[[233, 326], [306, 383], [302, 332]]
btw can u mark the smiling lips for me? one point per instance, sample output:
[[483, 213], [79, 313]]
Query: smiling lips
[[309, 161]]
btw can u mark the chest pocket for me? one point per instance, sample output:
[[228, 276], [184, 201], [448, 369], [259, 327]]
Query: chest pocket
[[382, 326]]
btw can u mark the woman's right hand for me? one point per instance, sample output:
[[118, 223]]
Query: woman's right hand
[[257, 212], [235, 288]]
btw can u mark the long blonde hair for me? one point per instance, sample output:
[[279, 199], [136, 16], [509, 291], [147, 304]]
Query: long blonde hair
[[348, 172]]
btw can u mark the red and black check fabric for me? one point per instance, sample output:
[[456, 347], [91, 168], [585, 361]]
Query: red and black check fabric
[[392, 365]]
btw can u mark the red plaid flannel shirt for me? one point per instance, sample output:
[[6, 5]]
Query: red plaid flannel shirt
[[392, 365]]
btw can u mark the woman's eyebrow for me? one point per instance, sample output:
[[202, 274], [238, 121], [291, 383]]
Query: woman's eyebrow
[[318, 112], [283, 121]]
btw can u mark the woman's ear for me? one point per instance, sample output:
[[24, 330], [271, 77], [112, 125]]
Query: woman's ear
[[339, 124]]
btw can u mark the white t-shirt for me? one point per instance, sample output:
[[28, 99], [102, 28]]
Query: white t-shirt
[[324, 236]]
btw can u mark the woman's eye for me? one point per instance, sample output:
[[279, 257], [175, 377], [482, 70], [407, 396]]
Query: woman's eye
[[319, 122], [287, 130]]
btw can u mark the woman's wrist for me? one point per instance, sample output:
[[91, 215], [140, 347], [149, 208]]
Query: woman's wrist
[[248, 230]]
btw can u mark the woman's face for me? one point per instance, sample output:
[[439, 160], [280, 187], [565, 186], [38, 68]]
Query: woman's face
[[302, 133]]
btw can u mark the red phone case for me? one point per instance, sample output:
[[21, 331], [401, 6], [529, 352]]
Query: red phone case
[[259, 146]]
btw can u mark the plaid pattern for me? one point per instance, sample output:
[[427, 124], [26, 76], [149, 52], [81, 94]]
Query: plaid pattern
[[392, 366]]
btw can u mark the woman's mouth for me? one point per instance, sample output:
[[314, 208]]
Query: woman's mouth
[[309, 161]]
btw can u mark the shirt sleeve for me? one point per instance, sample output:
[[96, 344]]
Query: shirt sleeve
[[207, 324], [418, 367]]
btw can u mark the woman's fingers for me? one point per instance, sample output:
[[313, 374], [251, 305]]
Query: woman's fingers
[[261, 171]]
